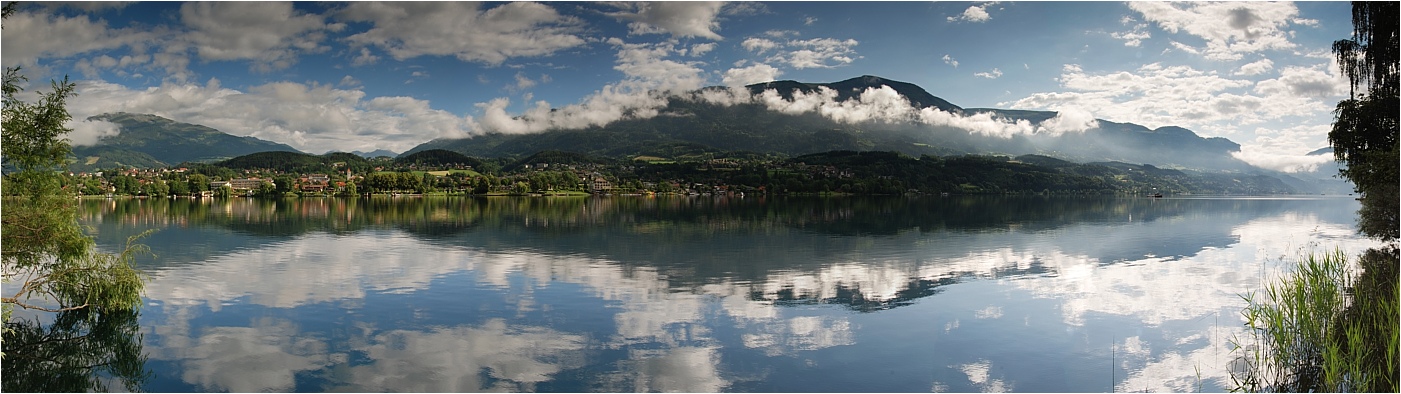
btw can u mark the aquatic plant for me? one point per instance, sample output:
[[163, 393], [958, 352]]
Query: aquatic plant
[[1322, 328]]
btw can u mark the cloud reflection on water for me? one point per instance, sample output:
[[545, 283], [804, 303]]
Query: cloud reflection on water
[[494, 356], [1162, 274]]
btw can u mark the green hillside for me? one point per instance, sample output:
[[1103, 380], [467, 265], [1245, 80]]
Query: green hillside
[[153, 141], [297, 162]]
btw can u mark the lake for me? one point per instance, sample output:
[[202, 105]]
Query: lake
[[705, 294]]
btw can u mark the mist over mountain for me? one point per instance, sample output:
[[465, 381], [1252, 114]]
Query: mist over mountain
[[863, 113], [785, 118], [1323, 179], [153, 141]]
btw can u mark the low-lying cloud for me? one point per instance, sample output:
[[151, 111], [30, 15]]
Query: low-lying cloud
[[308, 117], [89, 132], [886, 105], [319, 118], [1285, 149]]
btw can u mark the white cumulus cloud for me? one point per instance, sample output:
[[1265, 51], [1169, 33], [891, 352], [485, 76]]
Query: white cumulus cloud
[[1230, 29], [974, 13], [802, 54], [464, 30], [702, 48], [759, 45], [29, 37], [271, 34], [651, 77], [1133, 38], [679, 18], [1256, 68], [1157, 95], [751, 75]]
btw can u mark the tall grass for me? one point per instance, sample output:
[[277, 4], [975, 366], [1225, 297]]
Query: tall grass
[[1323, 327]]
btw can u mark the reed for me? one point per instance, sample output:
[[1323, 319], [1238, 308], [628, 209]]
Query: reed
[[1323, 327]]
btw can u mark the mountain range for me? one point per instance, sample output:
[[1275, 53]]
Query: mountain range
[[152, 141], [690, 126], [687, 125]]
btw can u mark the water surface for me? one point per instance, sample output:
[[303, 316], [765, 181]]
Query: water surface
[[1042, 294]]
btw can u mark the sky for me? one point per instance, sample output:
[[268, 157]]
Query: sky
[[361, 76]]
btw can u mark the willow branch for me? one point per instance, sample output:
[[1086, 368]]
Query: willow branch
[[21, 304]]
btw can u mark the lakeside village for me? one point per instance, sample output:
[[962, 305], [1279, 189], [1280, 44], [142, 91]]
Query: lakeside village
[[561, 173], [538, 179]]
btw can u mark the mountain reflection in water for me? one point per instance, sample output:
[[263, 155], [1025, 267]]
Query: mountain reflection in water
[[704, 294]]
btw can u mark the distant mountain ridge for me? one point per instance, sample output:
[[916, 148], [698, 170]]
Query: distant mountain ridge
[[852, 88], [152, 141], [375, 153], [690, 125]]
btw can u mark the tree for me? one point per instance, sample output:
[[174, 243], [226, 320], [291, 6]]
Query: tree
[[178, 188], [1364, 137], [267, 190], [1365, 127], [284, 184], [223, 191], [122, 184], [350, 189], [380, 182], [426, 184], [42, 245], [198, 183]]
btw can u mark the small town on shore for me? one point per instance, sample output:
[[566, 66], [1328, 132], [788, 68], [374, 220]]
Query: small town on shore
[[556, 173]]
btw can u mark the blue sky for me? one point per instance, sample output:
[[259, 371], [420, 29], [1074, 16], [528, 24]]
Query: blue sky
[[364, 76]]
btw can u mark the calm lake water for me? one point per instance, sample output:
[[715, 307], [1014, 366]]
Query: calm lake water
[[706, 294]]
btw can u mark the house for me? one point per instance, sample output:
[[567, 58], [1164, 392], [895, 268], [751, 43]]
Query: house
[[600, 185], [247, 183], [315, 183]]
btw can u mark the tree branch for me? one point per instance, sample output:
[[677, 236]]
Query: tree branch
[[17, 302]]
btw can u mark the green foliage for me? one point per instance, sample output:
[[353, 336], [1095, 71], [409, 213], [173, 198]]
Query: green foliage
[[49, 263], [267, 190], [1309, 334], [283, 184], [1365, 126], [91, 158], [1366, 351], [438, 158], [296, 162], [178, 188], [33, 141], [211, 172], [1290, 326], [852, 172], [155, 188], [197, 183], [554, 157], [350, 189], [393, 182]]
